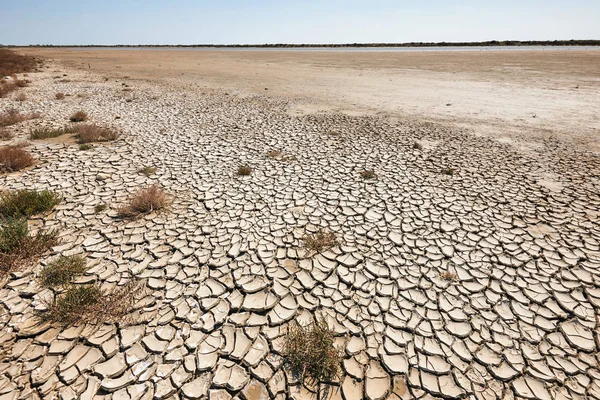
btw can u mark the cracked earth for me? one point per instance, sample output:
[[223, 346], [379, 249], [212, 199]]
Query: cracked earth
[[484, 283]]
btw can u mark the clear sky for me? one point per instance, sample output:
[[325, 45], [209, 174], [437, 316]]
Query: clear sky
[[293, 21]]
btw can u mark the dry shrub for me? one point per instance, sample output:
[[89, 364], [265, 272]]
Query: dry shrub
[[21, 97], [47, 133], [310, 353], [89, 304], [147, 171], [62, 271], [79, 116], [320, 240], [274, 153], [448, 171], [244, 170], [368, 174], [12, 62], [145, 201], [5, 134], [13, 116], [448, 276], [15, 158], [7, 87], [59, 96], [417, 146], [18, 249], [89, 133]]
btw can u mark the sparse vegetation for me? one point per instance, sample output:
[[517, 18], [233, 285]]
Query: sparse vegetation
[[448, 276], [274, 153], [89, 304], [59, 96], [18, 249], [13, 116], [12, 62], [320, 240], [310, 353], [448, 171], [368, 174], [99, 208], [145, 201], [47, 133], [62, 271], [85, 147], [244, 170], [417, 146], [5, 134], [25, 203], [79, 116], [89, 133], [15, 158], [21, 97], [147, 171]]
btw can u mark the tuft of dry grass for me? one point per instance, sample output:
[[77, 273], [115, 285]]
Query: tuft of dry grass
[[448, 276], [147, 171], [47, 133], [25, 203], [320, 240], [12, 62], [310, 353], [144, 201], [13, 116], [448, 171], [274, 153], [85, 147], [19, 249], [5, 134], [99, 208], [59, 96], [89, 304], [368, 174], [61, 272], [15, 158], [89, 133], [244, 170], [417, 146], [79, 116], [21, 97]]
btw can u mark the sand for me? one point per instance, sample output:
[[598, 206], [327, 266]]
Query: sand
[[509, 95]]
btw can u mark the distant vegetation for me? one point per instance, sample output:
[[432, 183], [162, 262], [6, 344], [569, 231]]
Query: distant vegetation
[[589, 42], [14, 63]]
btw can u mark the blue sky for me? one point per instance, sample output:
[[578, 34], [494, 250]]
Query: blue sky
[[293, 21]]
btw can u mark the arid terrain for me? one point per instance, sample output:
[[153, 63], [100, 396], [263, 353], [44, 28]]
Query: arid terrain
[[460, 191]]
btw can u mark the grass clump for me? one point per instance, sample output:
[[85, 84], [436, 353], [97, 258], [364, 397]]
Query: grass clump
[[99, 208], [62, 271], [21, 97], [244, 170], [13, 116], [320, 240], [147, 171], [25, 203], [274, 153], [15, 158], [5, 134], [79, 116], [310, 353], [47, 133], [417, 146], [59, 96], [144, 201], [448, 276], [448, 171], [368, 174], [90, 133], [81, 304], [85, 147], [19, 249]]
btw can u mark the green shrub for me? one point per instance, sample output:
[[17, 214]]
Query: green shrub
[[47, 133], [61, 272], [25, 203]]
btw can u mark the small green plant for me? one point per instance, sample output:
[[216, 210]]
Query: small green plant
[[25, 203], [90, 304], [85, 147], [62, 271], [320, 240], [244, 170], [79, 116], [310, 353], [448, 171], [99, 208], [47, 133], [146, 171], [19, 249], [368, 174]]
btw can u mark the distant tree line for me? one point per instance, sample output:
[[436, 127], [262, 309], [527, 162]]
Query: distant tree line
[[491, 43]]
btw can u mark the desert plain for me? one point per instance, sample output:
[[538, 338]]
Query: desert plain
[[462, 189]]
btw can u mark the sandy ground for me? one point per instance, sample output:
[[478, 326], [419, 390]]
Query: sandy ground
[[525, 96]]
